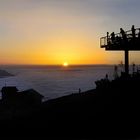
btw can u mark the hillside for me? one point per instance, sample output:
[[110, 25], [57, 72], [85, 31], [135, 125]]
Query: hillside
[[110, 110]]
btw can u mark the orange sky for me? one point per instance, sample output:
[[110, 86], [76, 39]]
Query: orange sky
[[57, 31]]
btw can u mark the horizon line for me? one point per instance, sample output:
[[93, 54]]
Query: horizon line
[[56, 64]]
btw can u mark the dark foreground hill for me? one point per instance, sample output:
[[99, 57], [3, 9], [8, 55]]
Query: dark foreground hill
[[111, 110]]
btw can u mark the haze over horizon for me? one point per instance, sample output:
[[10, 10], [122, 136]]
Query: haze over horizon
[[58, 31]]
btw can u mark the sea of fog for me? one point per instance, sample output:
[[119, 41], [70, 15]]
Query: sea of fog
[[55, 81]]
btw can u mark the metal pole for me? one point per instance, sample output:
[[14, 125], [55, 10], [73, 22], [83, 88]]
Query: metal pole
[[126, 62]]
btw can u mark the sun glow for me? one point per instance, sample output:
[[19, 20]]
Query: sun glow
[[65, 64]]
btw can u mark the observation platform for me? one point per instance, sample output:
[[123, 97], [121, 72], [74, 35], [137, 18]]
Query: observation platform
[[124, 41], [131, 43]]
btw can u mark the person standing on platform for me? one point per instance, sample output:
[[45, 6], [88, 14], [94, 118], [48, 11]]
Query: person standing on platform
[[123, 35], [112, 37], [133, 32]]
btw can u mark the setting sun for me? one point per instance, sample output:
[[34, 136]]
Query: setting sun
[[65, 64]]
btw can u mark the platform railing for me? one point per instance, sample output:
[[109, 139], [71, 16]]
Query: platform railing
[[104, 41]]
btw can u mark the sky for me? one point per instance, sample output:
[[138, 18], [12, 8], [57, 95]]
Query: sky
[[51, 32]]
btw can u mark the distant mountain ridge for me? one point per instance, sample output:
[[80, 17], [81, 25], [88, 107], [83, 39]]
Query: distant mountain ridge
[[4, 73]]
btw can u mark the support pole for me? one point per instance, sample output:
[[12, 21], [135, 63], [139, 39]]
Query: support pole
[[126, 62]]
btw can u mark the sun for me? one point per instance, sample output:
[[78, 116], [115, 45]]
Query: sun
[[65, 64]]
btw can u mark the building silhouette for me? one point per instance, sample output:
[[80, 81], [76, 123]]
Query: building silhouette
[[12, 97]]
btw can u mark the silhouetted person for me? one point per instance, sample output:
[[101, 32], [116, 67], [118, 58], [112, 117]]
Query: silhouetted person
[[115, 71], [122, 66], [123, 34], [79, 90], [112, 37], [133, 67], [133, 31], [106, 77]]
